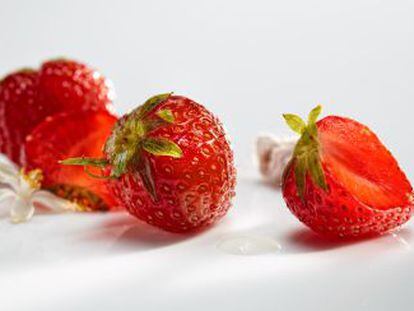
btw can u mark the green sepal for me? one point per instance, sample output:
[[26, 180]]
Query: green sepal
[[295, 123], [153, 124], [300, 177], [316, 171], [306, 155], [163, 117], [140, 128], [162, 147], [312, 118], [120, 161], [314, 115], [145, 173], [166, 115], [150, 104], [84, 161]]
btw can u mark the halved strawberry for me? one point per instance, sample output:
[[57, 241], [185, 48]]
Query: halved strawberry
[[362, 164], [342, 181], [28, 96], [66, 135]]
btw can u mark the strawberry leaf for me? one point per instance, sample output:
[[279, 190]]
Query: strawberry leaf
[[153, 124], [314, 114], [166, 115], [151, 104], [316, 170], [83, 161], [145, 172], [300, 176], [295, 123], [312, 118], [162, 147], [140, 128], [120, 162]]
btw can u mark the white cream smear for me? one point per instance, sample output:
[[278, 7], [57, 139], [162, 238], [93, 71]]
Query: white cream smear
[[249, 245]]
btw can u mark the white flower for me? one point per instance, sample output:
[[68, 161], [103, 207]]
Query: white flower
[[23, 190], [274, 154]]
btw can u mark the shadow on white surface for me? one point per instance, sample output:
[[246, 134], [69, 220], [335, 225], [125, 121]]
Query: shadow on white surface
[[126, 232], [304, 240]]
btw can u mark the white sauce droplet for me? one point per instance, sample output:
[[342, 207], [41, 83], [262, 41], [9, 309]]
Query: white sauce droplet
[[249, 245]]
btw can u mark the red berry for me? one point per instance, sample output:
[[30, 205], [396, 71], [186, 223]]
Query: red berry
[[27, 97], [19, 112], [343, 182], [66, 135], [172, 164], [70, 85]]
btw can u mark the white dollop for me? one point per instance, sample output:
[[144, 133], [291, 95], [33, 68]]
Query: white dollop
[[249, 245]]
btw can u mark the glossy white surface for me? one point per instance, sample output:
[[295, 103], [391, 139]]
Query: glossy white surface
[[108, 261], [248, 61]]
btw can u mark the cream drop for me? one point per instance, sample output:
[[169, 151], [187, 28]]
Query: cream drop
[[249, 245]]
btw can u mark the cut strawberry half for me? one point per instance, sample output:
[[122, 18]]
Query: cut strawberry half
[[362, 164], [342, 181], [66, 135], [28, 96]]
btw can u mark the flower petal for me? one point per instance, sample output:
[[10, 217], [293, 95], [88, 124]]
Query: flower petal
[[6, 196], [52, 202], [22, 210], [6, 193]]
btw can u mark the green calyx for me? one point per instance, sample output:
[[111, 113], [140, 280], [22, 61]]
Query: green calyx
[[127, 147], [306, 155]]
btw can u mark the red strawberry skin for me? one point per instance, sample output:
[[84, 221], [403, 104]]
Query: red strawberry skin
[[193, 191], [19, 112], [71, 85], [367, 193], [27, 97], [65, 135]]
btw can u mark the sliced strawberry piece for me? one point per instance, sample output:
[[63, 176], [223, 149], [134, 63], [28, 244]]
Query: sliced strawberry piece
[[362, 164], [66, 135], [27, 97], [342, 181]]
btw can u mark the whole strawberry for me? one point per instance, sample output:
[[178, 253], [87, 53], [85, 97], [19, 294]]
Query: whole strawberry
[[170, 163], [28, 96], [342, 182]]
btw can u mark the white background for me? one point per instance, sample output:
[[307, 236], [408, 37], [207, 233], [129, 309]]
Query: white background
[[247, 61]]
